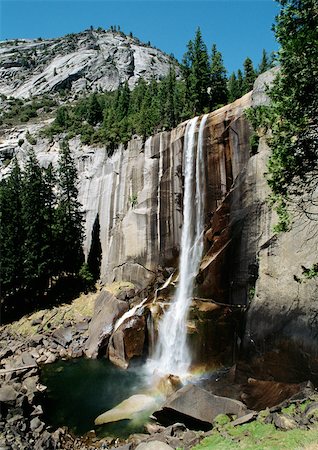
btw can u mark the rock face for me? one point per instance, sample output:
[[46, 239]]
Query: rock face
[[197, 408], [107, 309], [137, 194], [83, 62]]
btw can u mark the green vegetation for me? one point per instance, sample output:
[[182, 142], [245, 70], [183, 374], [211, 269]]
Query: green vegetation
[[18, 110], [292, 115], [41, 229], [111, 118], [257, 436]]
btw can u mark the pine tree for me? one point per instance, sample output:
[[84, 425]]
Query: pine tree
[[265, 63], [95, 254], [197, 73], [170, 103], [11, 232], [49, 182], [240, 84], [218, 88], [249, 75], [233, 88], [69, 226], [33, 206], [94, 111], [123, 102]]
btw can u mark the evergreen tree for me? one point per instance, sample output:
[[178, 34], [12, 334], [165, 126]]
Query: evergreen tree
[[95, 254], [233, 88], [197, 73], [293, 165], [249, 75], [94, 111], [218, 89], [265, 63], [123, 102], [49, 181], [11, 232], [240, 84], [69, 226], [33, 207]]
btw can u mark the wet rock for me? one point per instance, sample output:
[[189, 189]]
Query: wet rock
[[107, 309], [63, 335], [197, 408], [127, 341], [260, 394], [8, 394], [154, 445]]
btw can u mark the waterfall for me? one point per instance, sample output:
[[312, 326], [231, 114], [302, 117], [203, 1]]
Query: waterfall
[[172, 355]]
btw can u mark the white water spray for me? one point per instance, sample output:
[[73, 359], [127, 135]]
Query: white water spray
[[172, 355]]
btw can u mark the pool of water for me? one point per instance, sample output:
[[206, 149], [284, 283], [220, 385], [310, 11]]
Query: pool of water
[[79, 390]]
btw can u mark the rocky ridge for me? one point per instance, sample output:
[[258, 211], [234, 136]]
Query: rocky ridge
[[93, 60]]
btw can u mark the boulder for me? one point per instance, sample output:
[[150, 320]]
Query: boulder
[[129, 409], [8, 394], [63, 335], [197, 408], [107, 310], [154, 445], [127, 341]]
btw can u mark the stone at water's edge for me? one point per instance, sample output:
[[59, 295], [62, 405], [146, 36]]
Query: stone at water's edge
[[107, 310], [197, 408], [131, 408]]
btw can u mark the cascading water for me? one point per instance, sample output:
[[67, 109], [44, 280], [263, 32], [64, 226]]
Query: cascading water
[[172, 355]]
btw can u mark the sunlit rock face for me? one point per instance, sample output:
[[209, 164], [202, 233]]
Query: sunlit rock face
[[82, 62]]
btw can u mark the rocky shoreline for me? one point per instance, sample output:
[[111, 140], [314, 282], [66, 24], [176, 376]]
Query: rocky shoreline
[[63, 333]]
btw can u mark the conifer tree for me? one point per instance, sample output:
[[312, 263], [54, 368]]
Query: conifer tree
[[123, 102], [69, 226], [218, 88], [249, 75], [197, 73], [33, 207], [240, 84], [94, 111], [49, 181], [233, 88], [95, 254], [265, 63], [11, 232]]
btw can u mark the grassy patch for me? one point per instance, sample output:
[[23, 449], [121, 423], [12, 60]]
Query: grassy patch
[[257, 436], [81, 307]]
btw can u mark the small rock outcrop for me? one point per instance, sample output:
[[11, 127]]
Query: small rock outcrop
[[197, 408], [107, 309]]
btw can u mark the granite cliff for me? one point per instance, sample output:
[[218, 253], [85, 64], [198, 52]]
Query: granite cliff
[[84, 62], [137, 195]]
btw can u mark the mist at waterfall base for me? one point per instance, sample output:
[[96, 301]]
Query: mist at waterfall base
[[172, 354], [78, 390]]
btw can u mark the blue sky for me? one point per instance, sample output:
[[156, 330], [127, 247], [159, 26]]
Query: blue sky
[[239, 28]]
